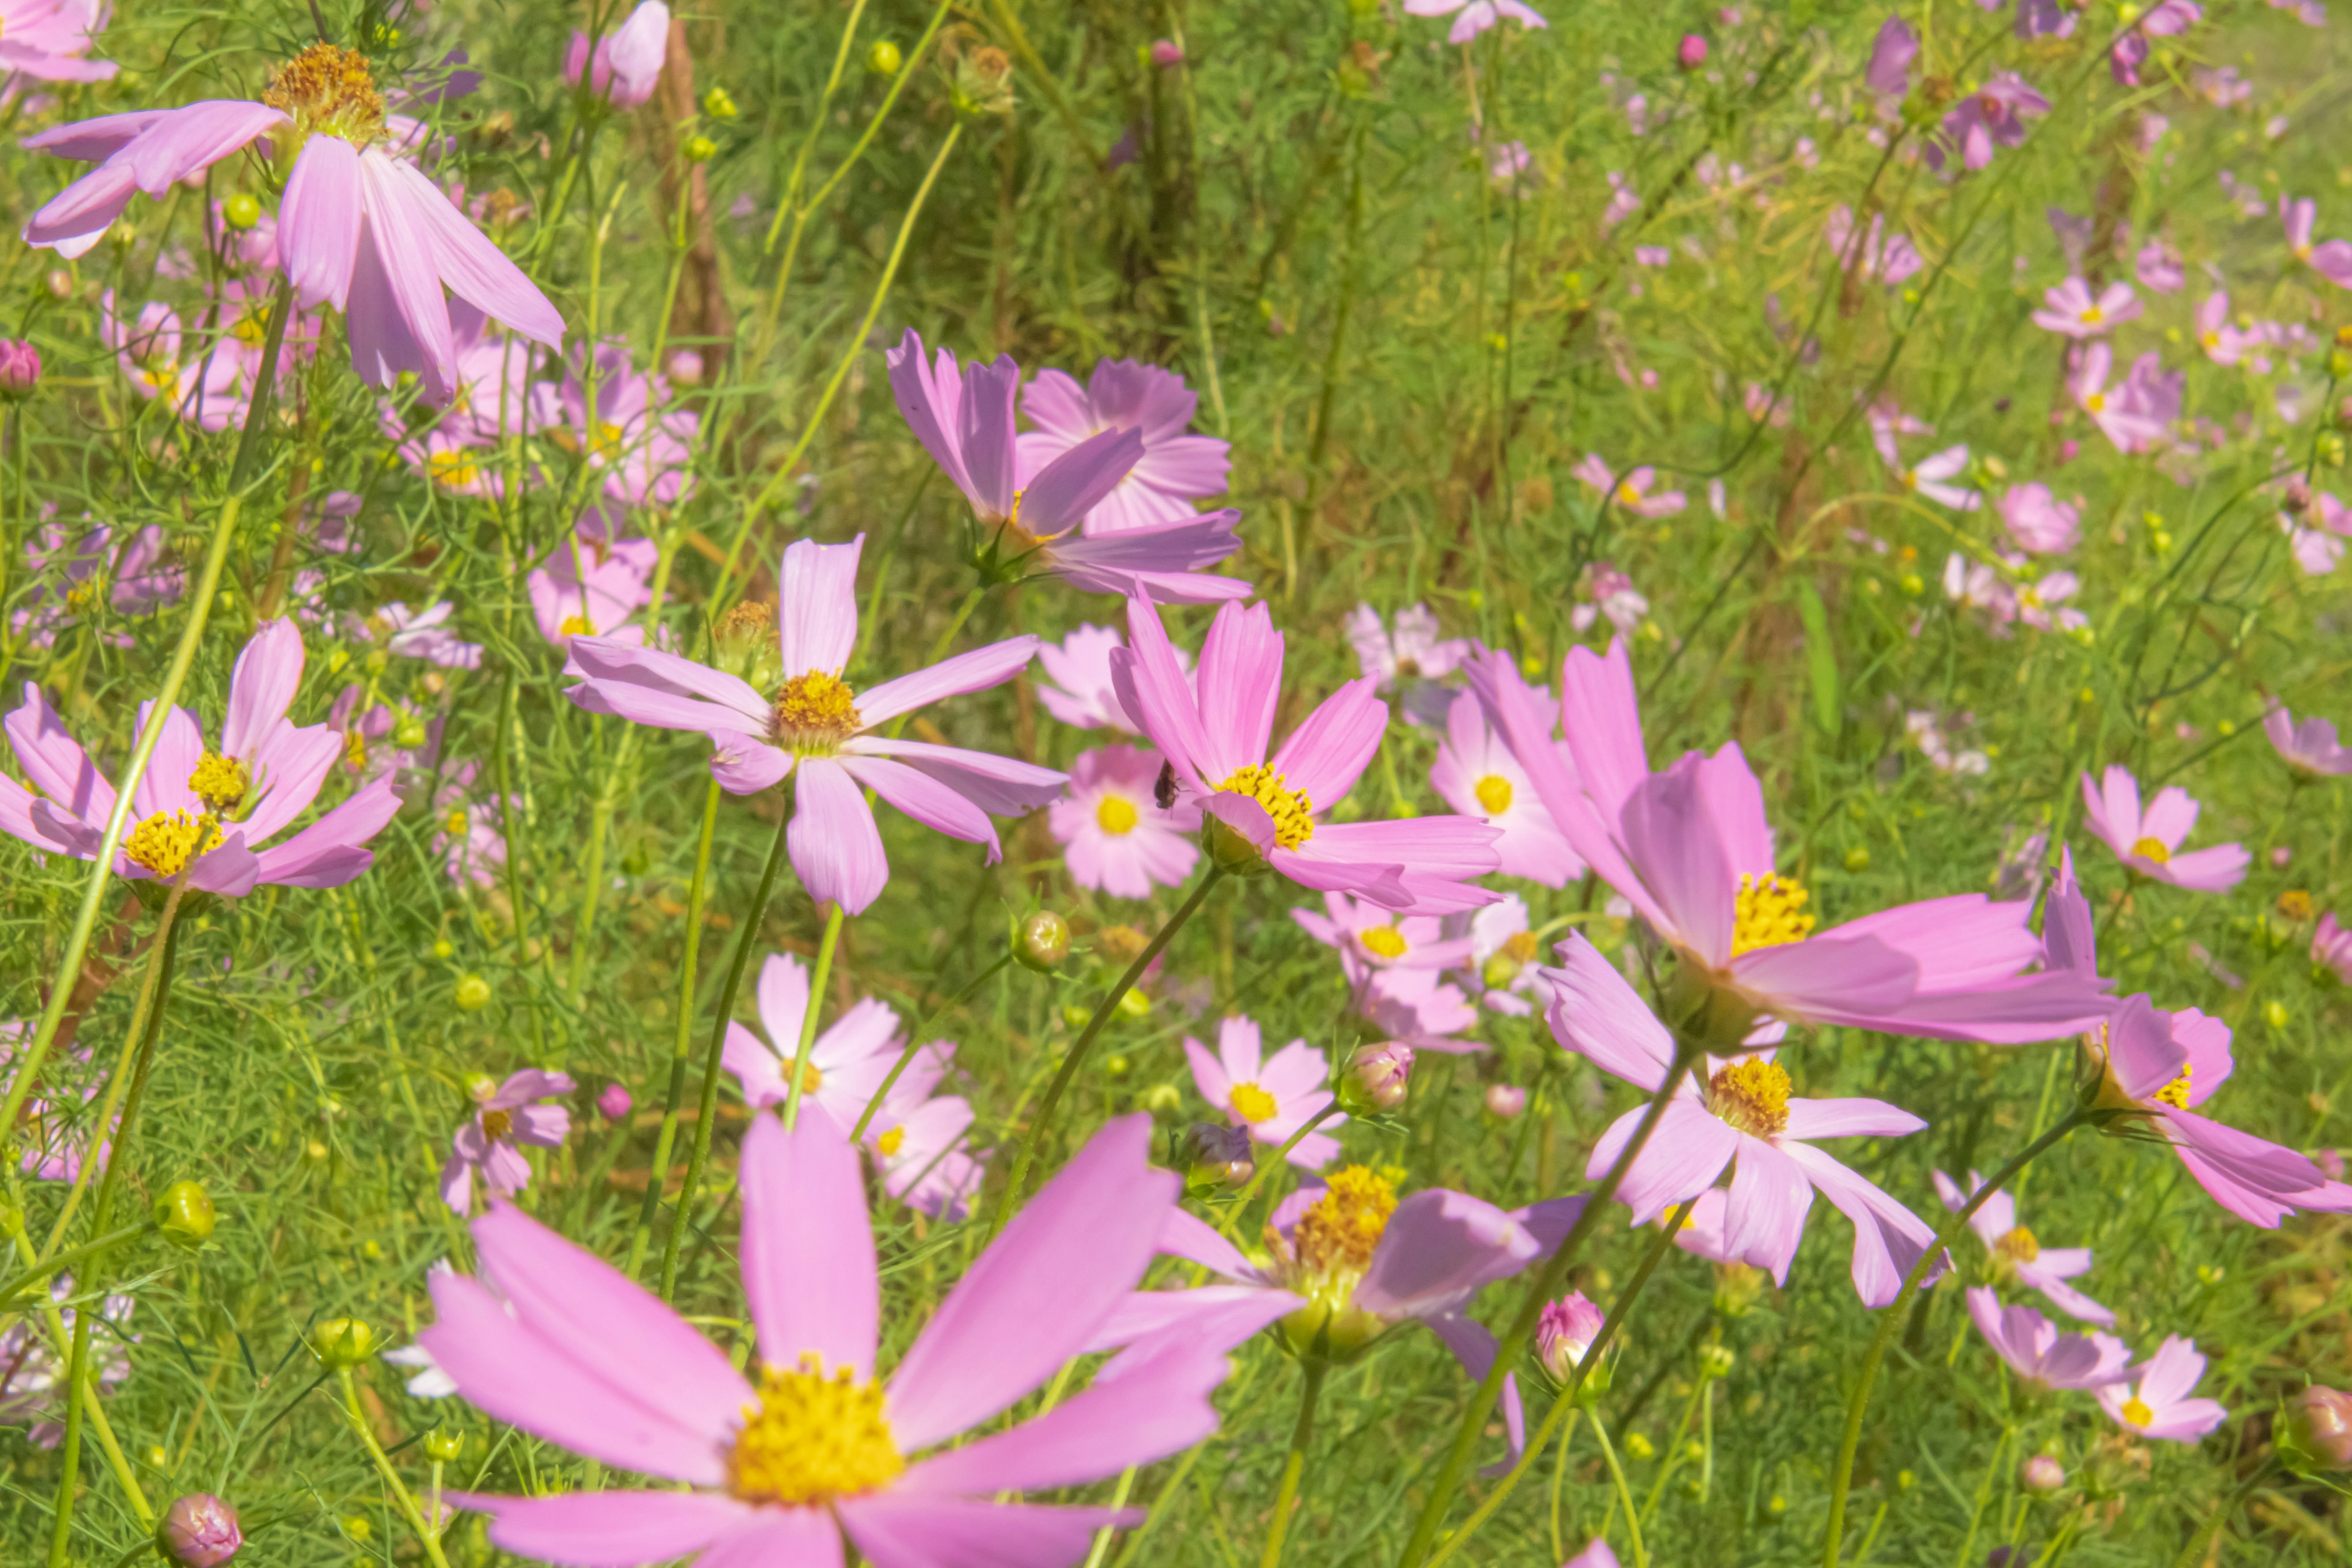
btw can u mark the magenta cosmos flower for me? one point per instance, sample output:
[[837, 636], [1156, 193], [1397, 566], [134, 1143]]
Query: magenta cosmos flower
[[1690, 850], [1739, 1115], [1114, 834], [777, 1466], [810, 726], [1992, 116], [1475, 773], [2224, 344], [2071, 311], [963, 416], [2041, 1355], [507, 1116], [1177, 468], [623, 427], [2159, 1403], [199, 810], [2310, 746], [627, 62], [1272, 1096], [359, 228], [2136, 417], [2332, 259], [2014, 1252], [1216, 740], [2149, 842]]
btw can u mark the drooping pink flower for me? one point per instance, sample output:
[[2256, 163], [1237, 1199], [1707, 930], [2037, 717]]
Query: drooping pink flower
[[2015, 1253], [1631, 491], [1472, 18], [1114, 834], [1475, 773], [1994, 115], [1273, 1095], [508, 1114], [593, 584], [2041, 1356], [1177, 468], [2161, 20], [2159, 1403], [2331, 946], [1929, 477], [2133, 417], [809, 725], [556, 1341], [624, 425], [2310, 746], [2039, 522], [1737, 1114], [2157, 266], [1691, 850], [963, 416], [2332, 259], [1267, 808], [46, 40], [2149, 842], [2071, 311], [627, 63], [1891, 52]]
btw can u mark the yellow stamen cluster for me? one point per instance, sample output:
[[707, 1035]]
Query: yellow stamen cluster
[[1116, 815], [1520, 947], [1751, 1094], [168, 840], [1384, 941], [2017, 1246], [812, 1439], [2152, 850], [887, 1145], [330, 89], [1250, 1103], [1771, 910], [2093, 316], [577, 626], [811, 1079], [2175, 1093], [605, 439], [497, 1124], [220, 782], [452, 469], [1628, 494], [1293, 813], [817, 709], [1339, 1231], [1494, 793], [2137, 1413]]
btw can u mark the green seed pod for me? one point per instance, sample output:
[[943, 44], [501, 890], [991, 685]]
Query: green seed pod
[[185, 1214], [242, 211], [882, 57], [1042, 941], [342, 1342], [473, 992]]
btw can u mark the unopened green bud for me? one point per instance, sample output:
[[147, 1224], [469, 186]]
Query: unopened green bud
[[342, 1342], [1134, 1005], [1216, 1156], [1164, 1100], [473, 992], [444, 1443], [882, 57], [408, 731], [1042, 941], [699, 148], [1716, 1360], [718, 105], [241, 211], [2317, 1435], [183, 1213]]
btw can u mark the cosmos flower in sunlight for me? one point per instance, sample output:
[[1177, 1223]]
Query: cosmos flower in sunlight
[[593, 583], [1475, 773], [804, 721], [1272, 1096], [1690, 850], [1077, 687], [2310, 746], [1115, 837], [626, 65], [1413, 651], [1503, 954], [1994, 115], [2071, 309], [2161, 20], [2135, 417], [918, 1140], [205, 812], [1928, 476], [1472, 18], [424, 634], [508, 1114], [623, 427], [2013, 1252], [2149, 842], [2157, 266], [46, 40], [1736, 1114], [79, 563], [1631, 491], [1266, 810], [2332, 259], [2159, 1403], [2040, 522], [848, 1060], [1887, 259], [963, 416], [1371, 939], [2224, 344], [2319, 549], [1176, 468], [1420, 1008], [2041, 1356], [472, 838], [815, 1445], [1596, 1554]]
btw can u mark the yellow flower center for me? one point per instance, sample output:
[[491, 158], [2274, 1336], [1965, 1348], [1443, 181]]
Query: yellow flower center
[[2296, 904], [2136, 1411], [605, 439], [2212, 340], [1770, 912], [1910, 478], [452, 469], [1751, 1094], [811, 1079], [497, 1123], [1250, 1103], [812, 1439], [2097, 402], [1116, 815], [888, 1143], [2093, 316], [454, 823], [252, 327], [219, 781], [1293, 813], [1384, 941], [1339, 1231], [576, 627], [1494, 793], [2151, 849], [2175, 1093], [330, 89], [168, 840], [1520, 947], [1629, 493], [815, 712], [355, 752], [2017, 1246]]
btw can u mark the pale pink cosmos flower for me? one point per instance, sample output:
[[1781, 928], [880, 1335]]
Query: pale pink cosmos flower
[[848, 1060], [810, 726], [46, 40], [963, 416], [424, 634], [507, 1115], [2223, 343], [2331, 946], [2149, 842], [472, 838], [2134, 415], [2041, 1356], [1475, 773], [2039, 522], [553, 1340], [1596, 1554], [1610, 594], [2310, 746], [1736, 1114], [1631, 491], [1472, 18], [2157, 266], [2042, 605], [2162, 20], [2071, 311], [2159, 1405], [1414, 651], [918, 1140], [83, 564], [1369, 939], [1929, 476], [54, 1130], [1113, 833], [1217, 739], [2331, 260], [1994, 115], [1273, 1095], [1177, 468], [1417, 1007], [625, 427], [1502, 954], [1891, 52], [209, 812], [626, 65], [2015, 1253], [594, 583], [1077, 687], [2318, 550], [1690, 850], [31, 1372], [1975, 586]]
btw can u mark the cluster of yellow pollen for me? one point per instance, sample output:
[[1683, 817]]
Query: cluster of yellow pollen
[[811, 1079], [355, 752], [888, 1143], [1339, 1231], [1771, 910], [1250, 1103], [220, 782], [2175, 1093], [605, 439], [1293, 813], [2093, 316], [812, 1439], [2151, 849], [1751, 1094], [497, 1123], [1494, 793], [577, 626], [1384, 941], [2095, 402], [1521, 947], [330, 89], [2137, 1413], [1116, 815], [252, 326], [2017, 1246], [452, 469], [168, 840], [454, 823], [1628, 494], [816, 708]]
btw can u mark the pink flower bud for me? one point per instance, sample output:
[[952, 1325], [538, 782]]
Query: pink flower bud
[[2318, 1431], [1564, 1333], [1506, 1099], [1166, 52], [2041, 1473], [685, 367], [20, 368], [1377, 1078], [199, 1530], [1692, 52], [614, 1103]]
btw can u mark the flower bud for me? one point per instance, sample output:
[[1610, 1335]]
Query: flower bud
[[2317, 1432], [241, 211], [1737, 1287], [473, 992], [685, 367], [342, 1342], [1216, 1155], [20, 368], [883, 57], [699, 148], [1506, 1099], [1163, 1101], [444, 1443], [1564, 1336], [718, 105], [198, 1531], [1691, 53], [982, 83], [1166, 52], [408, 731], [1376, 1079], [1715, 1362], [2041, 1473], [1234, 854], [1042, 941], [614, 1103], [185, 1214], [481, 1087]]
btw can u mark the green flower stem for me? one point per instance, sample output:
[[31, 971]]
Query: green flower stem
[[62, 1339], [1076, 1056], [1890, 1322], [428, 1536], [1101, 1547], [682, 1051], [817, 978], [720, 1014], [71, 1256], [914, 1038], [1625, 1492], [1294, 1466]]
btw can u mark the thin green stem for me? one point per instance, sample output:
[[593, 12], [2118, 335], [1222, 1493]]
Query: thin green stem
[[1625, 1492], [428, 1536], [2202, 1542], [72, 1255], [809, 1015], [1294, 1466], [682, 1049]]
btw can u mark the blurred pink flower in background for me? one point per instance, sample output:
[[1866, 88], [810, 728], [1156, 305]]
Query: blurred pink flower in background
[[1472, 18], [1115, 837], [2310, 746], [2039, 522], [1273, 1095], [2157, 266], [2070, 309], [507, 1115], [1928, 476], [1994, 115], [2223, 343], [1631, 491], [2015, 1253], [2331, 260], [627, 62], [2149, 842], [2159, 1405], [593, 582]]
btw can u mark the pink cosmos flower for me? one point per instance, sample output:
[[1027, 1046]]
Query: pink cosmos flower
[[45, 40], [963, 416], [2319, 549], [207, 812], [1607, 592], [80, 565], [847, 1061], [1738, 1115], [2016, 1254], [2157, 266], [1273, 1096], [1927, 476], [1417, 1007], [1371, 939], [2150, 843], [593, 584], [627, 62], [2223, 343], [810, 726], [1475, 773], [2040, 605], [472, 840], [1890, 260], [1891, 52], [2041, 1356], [2331, 945], [627, 430], [1217, 740], [2332, 259], [424, 634], [2039, 522], [1631, 491], [2310, 746], [2162, 20], [918, 1141], [1992, 116], [54, 1130], [1503, 954], [1177, 468], [1472, 18], [554, 1340], [1078, 689], [2159, 1404], [1690, 850], [31, 1372], [1596, 1554], [2071, 309], [508, 1116], [1114, 836], [1413, 652], [2133, 417]]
